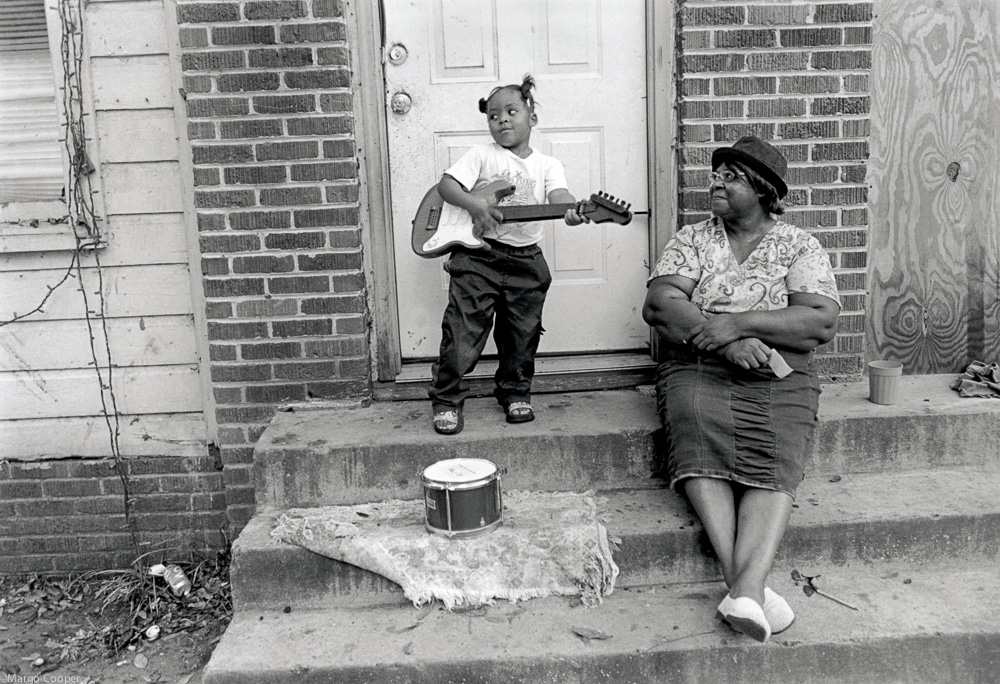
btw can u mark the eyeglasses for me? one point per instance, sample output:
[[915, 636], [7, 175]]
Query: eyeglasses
[[727, 176]]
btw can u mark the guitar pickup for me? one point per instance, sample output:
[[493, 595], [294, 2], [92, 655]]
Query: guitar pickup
[[433, 217]]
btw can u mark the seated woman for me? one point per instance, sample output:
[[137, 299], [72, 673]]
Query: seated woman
[[730, 297]]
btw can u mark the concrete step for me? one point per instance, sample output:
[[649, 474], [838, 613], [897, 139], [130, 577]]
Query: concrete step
[[909, 516], [315, 455], [919, 623]]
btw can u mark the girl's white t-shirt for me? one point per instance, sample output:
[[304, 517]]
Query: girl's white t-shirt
[[533, 178]]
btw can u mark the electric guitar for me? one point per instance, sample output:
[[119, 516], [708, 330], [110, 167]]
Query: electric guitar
[[439, 227]]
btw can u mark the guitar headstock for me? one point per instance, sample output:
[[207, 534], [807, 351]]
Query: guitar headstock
[[602, 207]]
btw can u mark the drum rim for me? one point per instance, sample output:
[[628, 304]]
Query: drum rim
[[458, 486], [424, 477]]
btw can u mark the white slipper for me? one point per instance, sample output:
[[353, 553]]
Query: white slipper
[[745, 616], [777, 611]]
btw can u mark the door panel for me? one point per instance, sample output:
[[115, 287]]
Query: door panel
[[589, 62]]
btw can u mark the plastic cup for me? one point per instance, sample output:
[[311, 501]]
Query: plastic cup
[[883, 381]]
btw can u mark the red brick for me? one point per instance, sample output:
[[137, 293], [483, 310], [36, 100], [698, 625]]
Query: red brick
[[325, 125], [298, 284], [215, 267], [289, 150], [306, 371], [263, 264], [203, 177], [301, 328], [236, 331], [343, 193], [222, 352], [256, 81], [812, 37], [275, 9], [286, 196], [845, 60], [274, 350], [328, 8], [202, 13], [218, 310], [712, 16], [293, 241], [267, 308], [215, 60], [219, 199], [334, 305], [241, 373], [251, 128], [317, 79], [336, 102], [326, 32], [271, 394], [746, 39], [233, 287], [325, 171], [243, 35], [719, 63], [321, 218], [284, 104], [255, 175], [222, 154], [227, 243], [336, 261], [333, 56], [260, 220], [841, 13]]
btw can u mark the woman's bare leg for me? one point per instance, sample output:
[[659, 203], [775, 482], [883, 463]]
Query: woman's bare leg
[[762, 519], [715, 503]]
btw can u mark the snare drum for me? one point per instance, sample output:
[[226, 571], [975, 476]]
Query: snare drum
[[462, 497]]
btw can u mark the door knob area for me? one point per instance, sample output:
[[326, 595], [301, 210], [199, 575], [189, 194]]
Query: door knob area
[[400, 103]]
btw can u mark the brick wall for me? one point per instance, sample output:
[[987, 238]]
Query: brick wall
[[270, 107], [795, 73], [68, 515]]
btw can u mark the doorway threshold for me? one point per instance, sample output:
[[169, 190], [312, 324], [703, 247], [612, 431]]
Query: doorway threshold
[[553, 374]]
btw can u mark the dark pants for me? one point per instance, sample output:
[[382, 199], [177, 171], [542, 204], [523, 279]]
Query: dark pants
[[511, 283]]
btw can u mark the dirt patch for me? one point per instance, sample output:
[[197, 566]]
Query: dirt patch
[[115, 627]]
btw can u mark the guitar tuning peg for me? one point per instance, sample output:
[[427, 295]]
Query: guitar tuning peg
[[628, 206]]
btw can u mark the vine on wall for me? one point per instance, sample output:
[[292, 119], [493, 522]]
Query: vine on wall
[[82, 217]]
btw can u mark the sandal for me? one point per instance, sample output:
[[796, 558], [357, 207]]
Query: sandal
[[448, 422], [519, 412]]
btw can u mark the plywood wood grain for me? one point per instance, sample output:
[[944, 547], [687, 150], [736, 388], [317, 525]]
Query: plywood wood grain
[[934, 184]]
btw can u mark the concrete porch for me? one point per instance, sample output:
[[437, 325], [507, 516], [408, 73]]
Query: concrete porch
[[899, 515]]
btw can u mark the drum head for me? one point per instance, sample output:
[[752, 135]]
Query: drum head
[[456, 471]]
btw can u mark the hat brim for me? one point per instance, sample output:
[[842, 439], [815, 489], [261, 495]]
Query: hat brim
[[723, 154]]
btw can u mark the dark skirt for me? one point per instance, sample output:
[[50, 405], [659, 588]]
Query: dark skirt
[[746, 426]]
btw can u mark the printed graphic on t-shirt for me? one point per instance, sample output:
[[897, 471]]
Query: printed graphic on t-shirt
[[524, 193]]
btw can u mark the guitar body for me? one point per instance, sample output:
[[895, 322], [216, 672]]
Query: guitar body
[[439, 227]]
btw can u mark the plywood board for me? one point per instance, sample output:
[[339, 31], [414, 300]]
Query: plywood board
[[935, 185], [76, 393], [178, 434]]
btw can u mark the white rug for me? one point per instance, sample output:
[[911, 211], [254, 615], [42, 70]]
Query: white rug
[[549, 544]]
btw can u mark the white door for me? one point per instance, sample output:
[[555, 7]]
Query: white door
[[589, 61]]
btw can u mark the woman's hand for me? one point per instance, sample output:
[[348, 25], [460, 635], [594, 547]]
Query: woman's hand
[[716, 332], [747, 353]]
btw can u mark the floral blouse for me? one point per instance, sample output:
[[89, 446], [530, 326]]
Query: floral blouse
[[787, 260]]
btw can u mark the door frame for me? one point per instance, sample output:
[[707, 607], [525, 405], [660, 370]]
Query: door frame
[[365, 22]]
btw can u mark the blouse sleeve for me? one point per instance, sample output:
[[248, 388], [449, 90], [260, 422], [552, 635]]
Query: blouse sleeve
[[811, 272], [555, 177], [679, 257]]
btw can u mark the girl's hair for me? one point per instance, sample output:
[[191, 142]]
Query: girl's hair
[[524, 89], [768, 194]]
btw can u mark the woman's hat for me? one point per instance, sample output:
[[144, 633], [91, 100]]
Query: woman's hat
[[760, 156]]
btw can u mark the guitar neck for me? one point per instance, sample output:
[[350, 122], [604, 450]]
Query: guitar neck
[[533, 212]]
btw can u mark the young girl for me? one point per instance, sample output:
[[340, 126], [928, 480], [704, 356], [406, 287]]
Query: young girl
[[510, 280]]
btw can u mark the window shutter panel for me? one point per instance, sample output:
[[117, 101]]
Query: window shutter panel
[[31, 158]]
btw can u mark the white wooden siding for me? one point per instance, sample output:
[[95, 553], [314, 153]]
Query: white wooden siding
[[50, 397]]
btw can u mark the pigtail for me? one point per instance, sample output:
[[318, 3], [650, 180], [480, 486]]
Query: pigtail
[[527, 83]]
